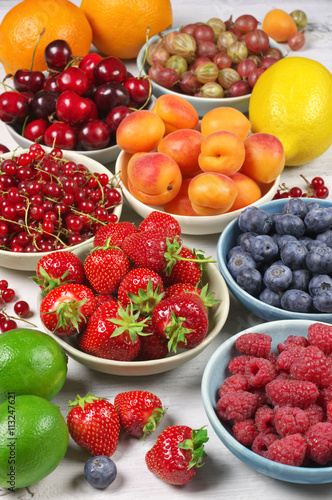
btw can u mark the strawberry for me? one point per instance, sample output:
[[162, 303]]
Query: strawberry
[[179, 288], [100, 299], [143, 287], [57, 268], [113, 333], [94, 424], [66, 309], [153, 346], [115, 233], [182, 319], [161, 220], [105, 267], [177, 453], [140, 412]]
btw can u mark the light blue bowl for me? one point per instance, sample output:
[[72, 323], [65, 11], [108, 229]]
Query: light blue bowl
[[228, 239], [216, 372]]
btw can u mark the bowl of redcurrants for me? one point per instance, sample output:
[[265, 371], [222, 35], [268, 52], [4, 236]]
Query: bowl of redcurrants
[[211, 64], [277, 259], [265, 392], [52, 200], [76, 105]]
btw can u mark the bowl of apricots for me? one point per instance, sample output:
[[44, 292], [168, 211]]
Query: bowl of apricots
[[203, 172]]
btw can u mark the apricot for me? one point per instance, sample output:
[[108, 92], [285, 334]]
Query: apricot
[[264, 157], [221, 152], [184, 146], [176, 112], [153, 178], [181, 205], [212, 193], [225, 118], [248, 191], [141, 131]]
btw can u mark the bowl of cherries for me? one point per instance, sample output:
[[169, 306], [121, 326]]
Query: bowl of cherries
[[76, 105], [211, 64], [52, 200]]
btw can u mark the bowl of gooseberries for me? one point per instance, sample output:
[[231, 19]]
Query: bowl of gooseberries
[[52, 200], [210, 64]]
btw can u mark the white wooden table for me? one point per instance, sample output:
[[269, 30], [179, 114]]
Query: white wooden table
[[223, 475]]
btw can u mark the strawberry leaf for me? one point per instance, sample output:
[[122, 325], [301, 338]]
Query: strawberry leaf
[[128, 322], [196, 446], [146, 300], [176, 332]]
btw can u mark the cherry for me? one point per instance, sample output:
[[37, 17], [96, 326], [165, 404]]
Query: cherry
[[43, 104], [88, 63], [35, 130], [22, 308], [8, 324], [73, 109], [14, 107], [62, 135], [51, 83], [138, 88], [108, 70], [3, 149], [73, 79], [94, 135], [28, 81], [110, 95], [115, 117], [57, 55]]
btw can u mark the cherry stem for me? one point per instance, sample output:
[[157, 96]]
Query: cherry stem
[[34, 50], [146, 50], [19, 318]]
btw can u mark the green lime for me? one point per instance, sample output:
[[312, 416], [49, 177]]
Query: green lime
[[33, 440], [31, 362]]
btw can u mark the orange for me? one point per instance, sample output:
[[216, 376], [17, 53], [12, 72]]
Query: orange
[[120, 26], [22, 25], [279, 25]]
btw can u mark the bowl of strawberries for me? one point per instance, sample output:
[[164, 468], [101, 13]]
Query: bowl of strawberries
[[142, 304]]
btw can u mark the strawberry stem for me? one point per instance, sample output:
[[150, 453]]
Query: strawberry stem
[[78, 401], [196, 446]]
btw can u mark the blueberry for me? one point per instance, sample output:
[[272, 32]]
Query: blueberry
[[238, 261], [259, 221], [319, 283], [297, 301], [270, 298], [245, 239], [318, 221], [293, 254], [313, 205], [263, 248], [315, 243], [100, 471], [250, 280], [306, 240], [295, 206], [277, 277], [290, 224], [323, 301], [281, 239], [233, 251], [300, 279], [319, 260], [325, 237], [243, 217]]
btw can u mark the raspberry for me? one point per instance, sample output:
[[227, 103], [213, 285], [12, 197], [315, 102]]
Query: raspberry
[[238, 364], [320, 335], [319, 442], [289, 420], [287, 357], [315, 414], [237, 405], [245, 431], [325, 396], [291, 392], [233, 383], [254, 344], [262, 442], [329, 411], [260, 392], [289, 450], [259, 372], [291, 341], [312, 366], [264, 418]]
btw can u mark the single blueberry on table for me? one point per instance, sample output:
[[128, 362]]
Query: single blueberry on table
[[318, 221], [319, 260], [259, 221], [243, 217], [291, 225], [295, 206], [319, 283], [277, 277], [239, 260], [100, 471], [296, 301], [263, 248], [293, 254], [250, 279], [271, 298], [322, 301], [300, 279]]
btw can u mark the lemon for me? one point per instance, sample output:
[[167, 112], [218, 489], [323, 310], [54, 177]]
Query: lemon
[[293, 101], [33, 440], [31, 362]]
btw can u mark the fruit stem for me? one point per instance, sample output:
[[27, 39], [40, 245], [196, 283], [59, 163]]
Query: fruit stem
[[34, 50], [17, 318], [146, 50]]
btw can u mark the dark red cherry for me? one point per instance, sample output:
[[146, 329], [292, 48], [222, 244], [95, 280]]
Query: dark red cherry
[[57, 54], [115, 117], [28, 81], [93, 135], [109, 70], [43, 104], [14, 107], [88, 63], [138, 89], [35, 130], [51, 83], [72, 108], [73, 79], [60, 135], [110, 95], [3, 149]]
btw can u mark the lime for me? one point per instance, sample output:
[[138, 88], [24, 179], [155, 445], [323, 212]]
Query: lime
[[33, 440], [31, 362]]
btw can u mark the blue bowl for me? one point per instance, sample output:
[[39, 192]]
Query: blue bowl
[[216, 372], [228, 239]]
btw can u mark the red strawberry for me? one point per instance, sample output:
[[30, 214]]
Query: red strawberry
[[115, 233], [177, 453], [57, 268], [94, 424], [153, 346], [179, 288], [142, 287], [182, 319], [113, 333], [105, 267], [100, 299], [160, 220], [140, 412], [66, 309]]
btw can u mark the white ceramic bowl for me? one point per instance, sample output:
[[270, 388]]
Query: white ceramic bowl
[[104, 156], [216, 372], [189, 225], [217, 317], [28, 261], [201, 104]]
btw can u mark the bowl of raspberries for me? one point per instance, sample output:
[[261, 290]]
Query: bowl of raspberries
[[277, 259], [267, 392]]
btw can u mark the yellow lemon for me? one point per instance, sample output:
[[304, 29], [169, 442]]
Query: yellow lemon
[[293, 101]]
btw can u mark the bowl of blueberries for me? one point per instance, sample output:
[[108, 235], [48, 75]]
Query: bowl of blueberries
[[277, 259]]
